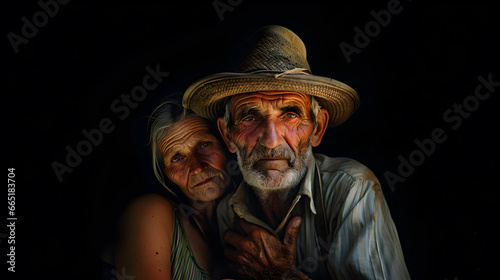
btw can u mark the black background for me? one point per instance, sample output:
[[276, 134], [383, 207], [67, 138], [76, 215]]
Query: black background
[[66, 77]]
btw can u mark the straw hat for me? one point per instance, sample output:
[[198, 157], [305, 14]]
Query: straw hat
[[277, 62]]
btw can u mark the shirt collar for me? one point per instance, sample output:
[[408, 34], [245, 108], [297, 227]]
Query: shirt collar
[[307, 184]]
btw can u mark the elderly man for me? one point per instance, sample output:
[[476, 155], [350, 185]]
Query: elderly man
[[271, 111]]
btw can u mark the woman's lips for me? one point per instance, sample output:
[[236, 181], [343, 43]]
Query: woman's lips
[[203, 182]]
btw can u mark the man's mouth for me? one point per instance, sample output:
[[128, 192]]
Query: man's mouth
[[272, 164]]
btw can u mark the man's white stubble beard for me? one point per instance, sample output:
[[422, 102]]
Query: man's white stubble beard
[[286, 181]]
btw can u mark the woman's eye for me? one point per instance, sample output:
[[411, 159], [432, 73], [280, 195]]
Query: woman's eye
[[204, 144], [291, 115]]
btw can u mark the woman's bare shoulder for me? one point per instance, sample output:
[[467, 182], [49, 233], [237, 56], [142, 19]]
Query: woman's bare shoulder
[[146, 237], [153, 207]]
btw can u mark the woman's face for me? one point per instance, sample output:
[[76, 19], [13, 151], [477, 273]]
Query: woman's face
[[194, 159]]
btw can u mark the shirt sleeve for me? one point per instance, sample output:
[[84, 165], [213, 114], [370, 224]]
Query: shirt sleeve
[[365, 242]]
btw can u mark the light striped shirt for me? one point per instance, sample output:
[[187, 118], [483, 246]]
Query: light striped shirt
[[350, 235], [182, 260]]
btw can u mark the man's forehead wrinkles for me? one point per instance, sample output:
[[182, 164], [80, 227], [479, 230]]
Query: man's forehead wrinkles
[[280, 100]]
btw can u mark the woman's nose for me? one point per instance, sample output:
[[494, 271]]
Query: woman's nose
[[197, 164]]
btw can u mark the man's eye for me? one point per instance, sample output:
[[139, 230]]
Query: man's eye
[[249, 118], [291, 115], [176, 158]]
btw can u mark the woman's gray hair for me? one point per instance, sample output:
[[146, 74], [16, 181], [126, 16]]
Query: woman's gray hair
[[163, 117]]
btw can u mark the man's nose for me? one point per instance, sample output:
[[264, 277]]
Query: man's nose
[[271, 133], [197, 164]]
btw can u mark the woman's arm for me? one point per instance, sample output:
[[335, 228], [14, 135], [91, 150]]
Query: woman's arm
[[145, 241]]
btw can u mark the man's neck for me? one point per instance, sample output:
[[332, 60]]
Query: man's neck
[[275, 204]]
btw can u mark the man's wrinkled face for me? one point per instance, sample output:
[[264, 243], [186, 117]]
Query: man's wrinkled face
[[272, 132], [194, 159]]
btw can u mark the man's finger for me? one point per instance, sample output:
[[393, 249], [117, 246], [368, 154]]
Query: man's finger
[[237, 257], [240, 264], [292, 233], [233, 238]]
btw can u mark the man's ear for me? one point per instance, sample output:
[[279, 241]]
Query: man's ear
[[222, 126], [322, 120]]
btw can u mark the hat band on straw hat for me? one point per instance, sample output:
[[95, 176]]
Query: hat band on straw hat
[[281, 73]]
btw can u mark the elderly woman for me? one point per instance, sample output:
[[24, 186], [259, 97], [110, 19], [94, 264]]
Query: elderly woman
[[172, 239]]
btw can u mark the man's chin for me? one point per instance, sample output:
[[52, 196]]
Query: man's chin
[[273, 174], [270, 179], [270, 173]]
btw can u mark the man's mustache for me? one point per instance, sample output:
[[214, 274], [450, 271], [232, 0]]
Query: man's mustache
[[283, 151]]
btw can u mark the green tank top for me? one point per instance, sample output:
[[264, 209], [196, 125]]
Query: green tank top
[[182, 260]]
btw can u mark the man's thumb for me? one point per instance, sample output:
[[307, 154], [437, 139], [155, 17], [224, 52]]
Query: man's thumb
[[292, 233]]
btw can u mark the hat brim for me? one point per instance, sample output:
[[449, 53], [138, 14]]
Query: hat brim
[[207, 96]]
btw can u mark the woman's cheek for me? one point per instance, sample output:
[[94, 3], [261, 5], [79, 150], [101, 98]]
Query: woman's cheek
[[175, 175], [217, 158]]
